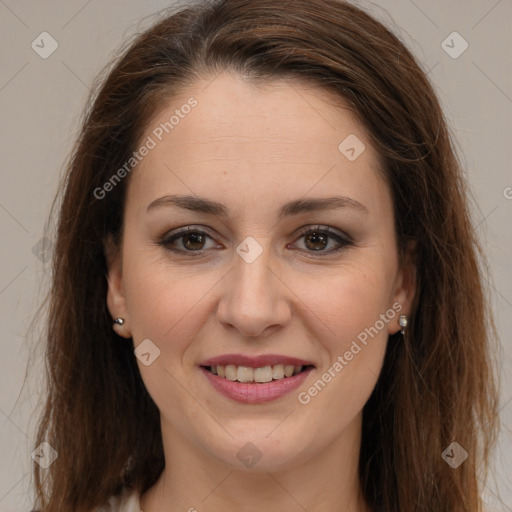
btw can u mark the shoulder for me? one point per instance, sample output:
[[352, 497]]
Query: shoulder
[[127, 501]]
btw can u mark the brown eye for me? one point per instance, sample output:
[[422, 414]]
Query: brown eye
[[316, 241], [193, 241], [319, 238], [188, 240]]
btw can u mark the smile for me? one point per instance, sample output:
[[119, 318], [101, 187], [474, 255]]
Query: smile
[[256, 375], [251, 391]]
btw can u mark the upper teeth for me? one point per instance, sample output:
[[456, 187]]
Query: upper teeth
[[248, 374]]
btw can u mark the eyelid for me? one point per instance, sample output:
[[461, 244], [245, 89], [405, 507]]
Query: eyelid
[[178, 233], [341, 238], [324, 229]]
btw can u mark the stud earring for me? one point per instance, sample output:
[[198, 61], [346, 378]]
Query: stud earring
[[403, 323], [117, 324]]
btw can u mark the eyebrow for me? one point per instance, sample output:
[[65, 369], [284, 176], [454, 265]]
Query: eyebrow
[[295, 207]]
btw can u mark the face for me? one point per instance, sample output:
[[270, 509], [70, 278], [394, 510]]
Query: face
[[290, 260]]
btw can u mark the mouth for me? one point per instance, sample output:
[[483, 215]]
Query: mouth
[[257, 385], [257, 375], [255, 379]]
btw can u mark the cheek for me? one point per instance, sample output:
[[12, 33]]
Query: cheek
[[354, 312], [348, 301], [165, 306], [149, 300], [164, 303]]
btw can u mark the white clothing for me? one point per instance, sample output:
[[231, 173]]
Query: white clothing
[[127, 501]]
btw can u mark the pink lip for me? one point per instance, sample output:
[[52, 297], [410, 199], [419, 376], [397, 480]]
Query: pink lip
[[254, 361], [255, 392]]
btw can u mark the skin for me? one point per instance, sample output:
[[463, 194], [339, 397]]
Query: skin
[[254, 148]]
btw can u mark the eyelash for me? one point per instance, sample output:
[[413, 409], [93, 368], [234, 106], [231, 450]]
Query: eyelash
[[323, 230]]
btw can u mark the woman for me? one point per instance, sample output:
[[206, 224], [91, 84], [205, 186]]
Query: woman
[[266, 290]]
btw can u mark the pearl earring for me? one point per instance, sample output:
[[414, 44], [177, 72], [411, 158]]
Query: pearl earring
[[403, 323]]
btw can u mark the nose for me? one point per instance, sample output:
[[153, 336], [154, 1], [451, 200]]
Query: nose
[[254, 299]]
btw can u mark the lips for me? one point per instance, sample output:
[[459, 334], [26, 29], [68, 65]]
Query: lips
[[255, 393]]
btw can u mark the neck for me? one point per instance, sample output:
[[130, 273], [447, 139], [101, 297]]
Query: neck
[[194, 480]]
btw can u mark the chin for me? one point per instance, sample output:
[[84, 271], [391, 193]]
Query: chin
[[260, 453]]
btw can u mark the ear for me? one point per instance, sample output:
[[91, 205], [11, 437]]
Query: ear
[[405, 286], [116, 301]]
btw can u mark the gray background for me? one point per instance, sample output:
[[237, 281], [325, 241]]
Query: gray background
[[41, 100]]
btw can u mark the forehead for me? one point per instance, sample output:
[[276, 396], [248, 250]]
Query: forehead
[[278, 136], [281, 112]]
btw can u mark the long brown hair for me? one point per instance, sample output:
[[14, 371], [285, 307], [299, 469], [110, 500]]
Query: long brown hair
[[437, 386]]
